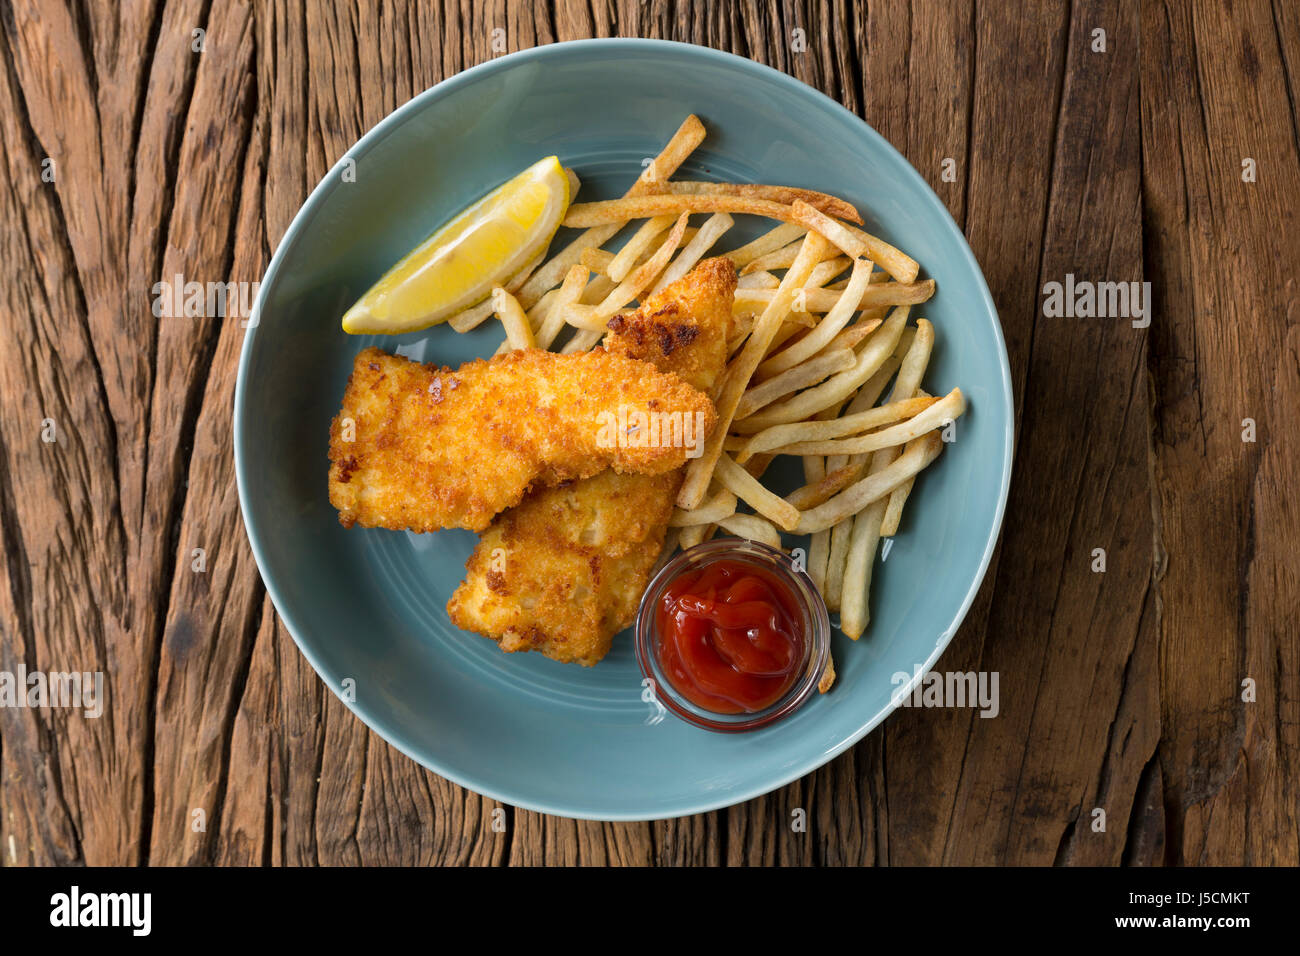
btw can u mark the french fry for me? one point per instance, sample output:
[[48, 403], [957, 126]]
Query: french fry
[[626, 258], [828, 675], [824, 488], [853, 336], [840, 535], [856, 583], [721, 505], [741, 325], [595, 318], [853, 499], [758, 280], [855, 242], [671, 539], [816, 369], [811, 432], [575, 282], [874, 353], [814, 468], [752, 527], [768, 242], [781, 258], [473, 317], [660, 169], [866, 397], [597, 260], [826, 271], [758, 464], [894, 510], [855, 599], [914, 363], [831, 205], [700, 471], [693, 535], [584, 215], [823, 300], [549, 275], [834, 321], [518, 331], [713, 229], [819, 552], [910, 374], [601, 261], [536, 318], [948, 408], [750, 490], [688, 136], [549, 321], [583, 339], [871, 390]]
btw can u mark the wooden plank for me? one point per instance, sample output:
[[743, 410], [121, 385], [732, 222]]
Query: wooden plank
[[1035, 780], [1220, 354], [94, 513], [1120, 690]]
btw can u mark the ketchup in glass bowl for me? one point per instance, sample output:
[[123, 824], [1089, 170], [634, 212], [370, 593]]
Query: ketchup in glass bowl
[[732, 635]]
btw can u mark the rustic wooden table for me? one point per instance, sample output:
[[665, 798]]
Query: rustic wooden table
[[1163, 691]]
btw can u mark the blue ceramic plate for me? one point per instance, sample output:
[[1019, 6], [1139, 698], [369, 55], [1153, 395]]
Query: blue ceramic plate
[[370, 604]]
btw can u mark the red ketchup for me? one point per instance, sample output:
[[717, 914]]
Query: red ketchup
[[730, 639]]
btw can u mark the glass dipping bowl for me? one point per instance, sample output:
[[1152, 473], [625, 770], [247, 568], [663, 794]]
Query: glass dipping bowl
[[813, 619]]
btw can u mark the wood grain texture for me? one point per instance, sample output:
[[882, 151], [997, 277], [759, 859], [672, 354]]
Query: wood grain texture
[[1121, 691]]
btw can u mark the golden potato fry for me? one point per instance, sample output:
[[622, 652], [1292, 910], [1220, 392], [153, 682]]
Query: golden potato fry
[[700, 471], [910, 374], [626, 258], [823, 300], [758, 280], [831, 205], [916, 456], [595, 318], [781, 258], [855, 242], [721, 505], [879, 346], [688, 136], [768, 242], [713, 229], [750, 490], [861, 557], [824, 488], [570, 291], [816, 369], [588, 214], [779, 437], [948, 408], [518, 332], [828, 676], [828, 328], [752, 527]]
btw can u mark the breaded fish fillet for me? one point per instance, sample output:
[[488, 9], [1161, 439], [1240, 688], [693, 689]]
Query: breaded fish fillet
[[683, 329], [564, 571], [420, 447]]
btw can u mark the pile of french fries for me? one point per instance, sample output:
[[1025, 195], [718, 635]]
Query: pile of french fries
[[821, 329]]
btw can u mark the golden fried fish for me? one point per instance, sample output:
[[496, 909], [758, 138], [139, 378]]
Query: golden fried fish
[[419, 447], [564, 571]]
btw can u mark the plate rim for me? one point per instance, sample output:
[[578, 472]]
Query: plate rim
[[394, 736]]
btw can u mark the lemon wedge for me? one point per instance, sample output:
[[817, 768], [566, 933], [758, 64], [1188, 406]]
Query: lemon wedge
[[457, 266]]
